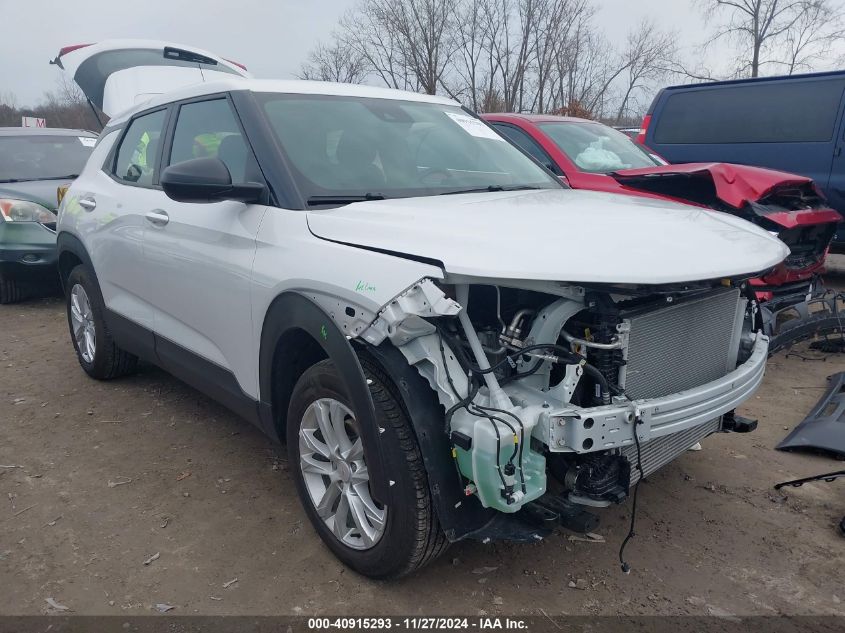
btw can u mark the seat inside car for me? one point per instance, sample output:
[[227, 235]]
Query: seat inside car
[[232, 152], [356, 155]]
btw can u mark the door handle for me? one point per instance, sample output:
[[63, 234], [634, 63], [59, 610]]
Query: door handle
[[158, 217], [88, 203]]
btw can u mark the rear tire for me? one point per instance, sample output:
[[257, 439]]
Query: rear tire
[[10, 291], [98, 354], [410, 536]]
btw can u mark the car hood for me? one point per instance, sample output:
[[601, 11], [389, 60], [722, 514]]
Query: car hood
[[788, 200], [557, 235], [44, 192], [735, 185]]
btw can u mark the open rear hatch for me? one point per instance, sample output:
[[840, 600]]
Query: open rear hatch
[[116, 75]]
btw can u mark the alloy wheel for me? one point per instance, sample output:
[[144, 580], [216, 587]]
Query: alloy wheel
[[336, 476], [82, 321]]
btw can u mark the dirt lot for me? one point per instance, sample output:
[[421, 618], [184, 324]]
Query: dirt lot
[[143, 491]]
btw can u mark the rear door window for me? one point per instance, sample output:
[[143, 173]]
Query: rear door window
[[209, 129], [771, 112], [137, 155]]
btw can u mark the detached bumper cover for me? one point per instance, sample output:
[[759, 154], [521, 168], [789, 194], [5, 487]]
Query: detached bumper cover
[[824, 427], [612, 426]]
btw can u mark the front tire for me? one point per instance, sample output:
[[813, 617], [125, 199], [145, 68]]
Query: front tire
[[98, 354], [327, 461]]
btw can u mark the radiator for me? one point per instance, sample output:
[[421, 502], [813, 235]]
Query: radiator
[[658, 452], [682, 345]]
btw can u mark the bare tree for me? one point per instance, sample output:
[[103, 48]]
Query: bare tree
[[9, 115], [679, 67], [9, 99], [513, 49], [406, 43], [558, 25], [366, 34], [762, 28], [590, 72], [810, 40], [425, 36], [549, 55], [647, 55], [336, 61], [69, 93], [468, 53], [65, 106]]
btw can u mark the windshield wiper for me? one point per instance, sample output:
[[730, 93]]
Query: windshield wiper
[[343, 199], [68, 177], [492, 188]]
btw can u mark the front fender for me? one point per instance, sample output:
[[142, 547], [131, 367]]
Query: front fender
[[292, 312], [459, 515]]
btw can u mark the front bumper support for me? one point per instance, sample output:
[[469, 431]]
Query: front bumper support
[[585, 430]]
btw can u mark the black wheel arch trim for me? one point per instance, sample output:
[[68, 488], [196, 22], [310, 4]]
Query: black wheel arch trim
[[69, 243], [460, 516], [294, 311]]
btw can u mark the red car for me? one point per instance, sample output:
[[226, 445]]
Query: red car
[[589, 155]]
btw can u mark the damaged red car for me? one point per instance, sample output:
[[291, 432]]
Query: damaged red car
[[590, 155]]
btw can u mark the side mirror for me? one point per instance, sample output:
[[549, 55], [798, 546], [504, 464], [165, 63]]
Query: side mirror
[[206, 180]]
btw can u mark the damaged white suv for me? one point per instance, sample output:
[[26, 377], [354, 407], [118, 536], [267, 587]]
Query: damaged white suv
[[451, 343]]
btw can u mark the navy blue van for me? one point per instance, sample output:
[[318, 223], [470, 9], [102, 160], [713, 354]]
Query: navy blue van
[[793, 124]]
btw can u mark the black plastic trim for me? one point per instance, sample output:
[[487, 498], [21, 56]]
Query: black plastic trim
[[294, 311], [134, 338], [271, 160], [69, 243], [109, 166], [167, 145], [211, 379], [460, 516], [415, 258]]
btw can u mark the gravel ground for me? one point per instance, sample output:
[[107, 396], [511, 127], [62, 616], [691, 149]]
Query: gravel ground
[[115, 497]]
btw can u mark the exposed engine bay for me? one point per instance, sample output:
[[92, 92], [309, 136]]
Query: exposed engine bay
[[562, 388]]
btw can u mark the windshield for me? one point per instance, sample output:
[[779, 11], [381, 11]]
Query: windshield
[[43, 157], [343, 147], [596, 148]]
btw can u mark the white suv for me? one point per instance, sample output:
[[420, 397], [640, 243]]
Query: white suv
[[451, 343]]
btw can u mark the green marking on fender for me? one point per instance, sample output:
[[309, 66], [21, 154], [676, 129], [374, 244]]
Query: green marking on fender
[[364, 286], [324, 332]]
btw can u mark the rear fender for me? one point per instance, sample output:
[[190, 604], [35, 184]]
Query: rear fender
[[71, 250]]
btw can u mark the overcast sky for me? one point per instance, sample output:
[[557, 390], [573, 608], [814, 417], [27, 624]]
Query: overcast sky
[[271, 37]]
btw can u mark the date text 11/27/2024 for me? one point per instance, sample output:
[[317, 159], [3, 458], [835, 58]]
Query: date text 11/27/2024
[[479, 623]]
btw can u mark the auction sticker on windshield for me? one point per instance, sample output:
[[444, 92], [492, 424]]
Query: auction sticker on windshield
[[473, 126]]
